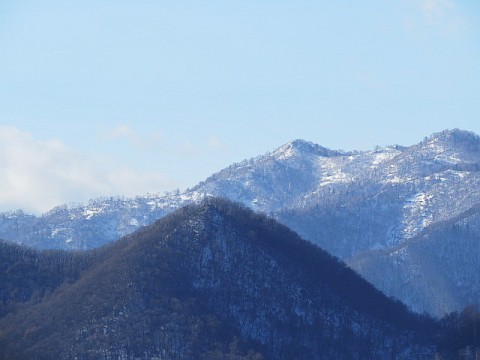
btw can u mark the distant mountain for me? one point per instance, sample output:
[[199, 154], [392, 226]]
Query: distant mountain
[[377, 209], [210, 281]]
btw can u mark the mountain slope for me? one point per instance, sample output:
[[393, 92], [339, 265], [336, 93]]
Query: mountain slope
[[446, 277], [349, 203], [27, 275], [215, 281]]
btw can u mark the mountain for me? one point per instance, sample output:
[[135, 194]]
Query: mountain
[[210, 281], [440, 264], [377, 209], [86, 226]]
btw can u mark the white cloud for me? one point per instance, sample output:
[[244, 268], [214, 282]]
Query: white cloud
[[214, 143], [433, 8], [38, 175], [187, 149], [138, 140], [121, 131], [439, 16]]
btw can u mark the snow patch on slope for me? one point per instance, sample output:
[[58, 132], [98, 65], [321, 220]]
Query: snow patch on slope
[[417, 214]]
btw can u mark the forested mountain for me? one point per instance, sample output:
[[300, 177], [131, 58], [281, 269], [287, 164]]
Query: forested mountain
[[411, 210], [210, 281]]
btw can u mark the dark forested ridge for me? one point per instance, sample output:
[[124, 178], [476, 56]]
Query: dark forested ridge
[[210, 281], [27, 275]]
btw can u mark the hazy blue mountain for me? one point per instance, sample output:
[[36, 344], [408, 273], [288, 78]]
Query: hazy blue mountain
[[377, 209]]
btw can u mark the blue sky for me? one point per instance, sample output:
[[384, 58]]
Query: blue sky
[[102, 98]]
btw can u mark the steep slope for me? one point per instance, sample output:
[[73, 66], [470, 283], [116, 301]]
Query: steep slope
[[349, 203], [391, 200], [215, 281], [438, 268]]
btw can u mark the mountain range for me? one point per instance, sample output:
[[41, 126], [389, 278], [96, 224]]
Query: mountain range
[[405, 218], [210, 281]]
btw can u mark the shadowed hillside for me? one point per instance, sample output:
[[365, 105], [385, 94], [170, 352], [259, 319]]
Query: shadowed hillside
[[210, 281]]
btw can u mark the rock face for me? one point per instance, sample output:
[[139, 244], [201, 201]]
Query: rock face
[[406, 218], [210, 281]]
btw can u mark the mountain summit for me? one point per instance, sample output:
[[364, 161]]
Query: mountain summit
[[454, 137], [303, 147], [453, 146]]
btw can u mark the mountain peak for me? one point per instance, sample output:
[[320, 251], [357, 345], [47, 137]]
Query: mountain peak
[[301, 143], [457, 144], [454, 137], [304, 147]]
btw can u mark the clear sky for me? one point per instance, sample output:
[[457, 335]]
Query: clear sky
[[119, 97]]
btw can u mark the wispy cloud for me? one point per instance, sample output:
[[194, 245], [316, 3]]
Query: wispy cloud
[[442, 17], [214, 143], [37, 175], [186, 148], [432, 8], [121, 131], [140, 141]]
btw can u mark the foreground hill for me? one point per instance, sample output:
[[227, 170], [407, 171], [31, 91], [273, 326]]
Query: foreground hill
[[373, 209], [210, 281]]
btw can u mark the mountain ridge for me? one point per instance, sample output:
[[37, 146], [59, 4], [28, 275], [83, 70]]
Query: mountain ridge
[[346, 202], [205, 277]]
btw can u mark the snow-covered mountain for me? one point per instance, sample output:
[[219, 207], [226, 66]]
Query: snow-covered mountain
[[404, 217]]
